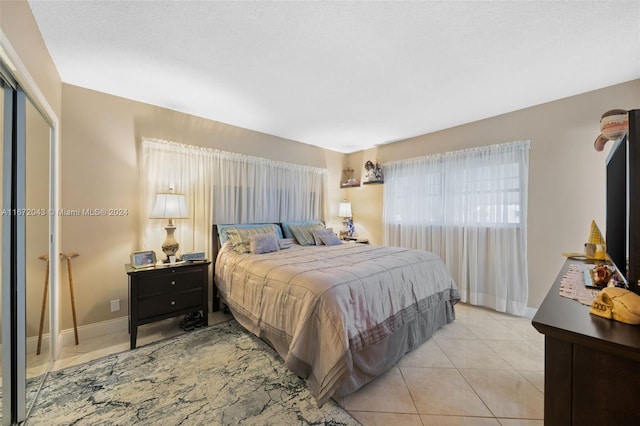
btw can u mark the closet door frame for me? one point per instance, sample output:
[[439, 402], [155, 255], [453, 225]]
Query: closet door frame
[[22, 85], [9, 352]]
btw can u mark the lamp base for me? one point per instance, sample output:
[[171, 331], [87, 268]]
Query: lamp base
[[351, 230], [170, 246]]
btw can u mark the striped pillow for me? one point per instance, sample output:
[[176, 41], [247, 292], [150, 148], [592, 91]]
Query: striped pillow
[[239, 237], [331, 240], [319, 233], [304, 233]]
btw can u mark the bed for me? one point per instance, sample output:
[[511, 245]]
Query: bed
[[339, 315]]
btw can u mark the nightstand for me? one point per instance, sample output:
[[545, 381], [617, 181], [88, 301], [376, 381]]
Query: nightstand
[[356, 240], [166, 291]]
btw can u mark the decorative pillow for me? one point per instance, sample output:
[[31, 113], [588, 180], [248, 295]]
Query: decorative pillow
[[285, 243], [222, 228], [318, 233], [239, 237], [303, 233], [263, 243], [331, 240], [287, 233]]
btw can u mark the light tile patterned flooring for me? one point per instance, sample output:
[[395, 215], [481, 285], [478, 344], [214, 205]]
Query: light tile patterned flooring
[[485, 368]]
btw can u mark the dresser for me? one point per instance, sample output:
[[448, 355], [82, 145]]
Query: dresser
[[166, 291], [592, 364]]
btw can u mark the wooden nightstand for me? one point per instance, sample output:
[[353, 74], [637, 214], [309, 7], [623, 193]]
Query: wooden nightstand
[[166, 291], [356, 240]]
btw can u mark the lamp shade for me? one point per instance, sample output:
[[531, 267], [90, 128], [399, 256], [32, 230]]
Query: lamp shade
[[170, 206], [344, 210]]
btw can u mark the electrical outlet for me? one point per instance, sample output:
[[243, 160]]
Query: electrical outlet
[[115, 305]]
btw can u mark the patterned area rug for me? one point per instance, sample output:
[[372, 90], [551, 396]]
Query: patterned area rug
[[219, 375]]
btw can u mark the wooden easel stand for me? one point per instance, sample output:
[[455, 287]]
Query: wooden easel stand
[[68, 257]]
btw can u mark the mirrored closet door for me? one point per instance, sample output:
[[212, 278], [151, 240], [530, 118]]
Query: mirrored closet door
[[8, 250], [3, 88], [36, 218], [25, 250]]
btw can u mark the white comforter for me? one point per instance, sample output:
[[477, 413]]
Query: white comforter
[[319, 305]]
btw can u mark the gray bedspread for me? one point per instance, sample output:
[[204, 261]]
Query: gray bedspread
[[322, 307]]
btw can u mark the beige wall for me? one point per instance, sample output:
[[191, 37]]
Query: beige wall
[[99, 169], [366, 200], [19, 27], [102, 135], [566, 175]]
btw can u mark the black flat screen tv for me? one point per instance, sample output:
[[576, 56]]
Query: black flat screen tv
[[617, 214], [623, 204]]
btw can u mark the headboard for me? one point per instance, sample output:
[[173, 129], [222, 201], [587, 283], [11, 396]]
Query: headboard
[[282, 230], [219, 237], [216, 245], [216, 233]]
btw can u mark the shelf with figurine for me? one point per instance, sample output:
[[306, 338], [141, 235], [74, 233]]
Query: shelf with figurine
[[348, 181], [373, 174]]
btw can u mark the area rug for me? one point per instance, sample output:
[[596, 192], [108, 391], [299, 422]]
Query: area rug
[[219, 375]]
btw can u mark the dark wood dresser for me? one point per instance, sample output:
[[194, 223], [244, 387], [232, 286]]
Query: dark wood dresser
[[166, 291], [592, 364]]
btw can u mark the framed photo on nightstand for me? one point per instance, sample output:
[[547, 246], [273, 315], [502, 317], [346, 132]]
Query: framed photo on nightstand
[[196, 255], [143, 259]]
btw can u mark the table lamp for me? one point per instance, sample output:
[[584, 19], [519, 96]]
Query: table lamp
[[170, 206], [344, 211]]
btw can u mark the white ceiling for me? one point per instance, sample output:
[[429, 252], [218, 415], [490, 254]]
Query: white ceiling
[[343, 75]]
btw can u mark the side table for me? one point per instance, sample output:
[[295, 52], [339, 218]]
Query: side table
[[166, 291], [357, 240]]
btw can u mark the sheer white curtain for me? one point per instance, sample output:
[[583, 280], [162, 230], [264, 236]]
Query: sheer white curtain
[[469, 207], [223, 187]]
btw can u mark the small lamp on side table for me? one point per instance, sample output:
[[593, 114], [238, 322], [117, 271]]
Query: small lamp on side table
[[344, 211], [170, 206]]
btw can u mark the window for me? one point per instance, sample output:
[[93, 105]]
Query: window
[[480, 186], [469, 207]]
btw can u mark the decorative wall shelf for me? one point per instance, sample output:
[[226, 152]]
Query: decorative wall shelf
[[373, 173], [347, 179]]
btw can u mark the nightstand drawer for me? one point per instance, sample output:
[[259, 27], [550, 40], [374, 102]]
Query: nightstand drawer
[[169, 302], [169, 282]]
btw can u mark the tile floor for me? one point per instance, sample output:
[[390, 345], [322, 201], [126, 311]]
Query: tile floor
[[485, 368]]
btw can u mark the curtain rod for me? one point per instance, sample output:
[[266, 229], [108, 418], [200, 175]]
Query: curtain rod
[[227, 154]]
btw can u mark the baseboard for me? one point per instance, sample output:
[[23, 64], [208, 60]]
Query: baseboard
[[530, 312], [67, 337], [32, 344], [95, 330], [84, 332]]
